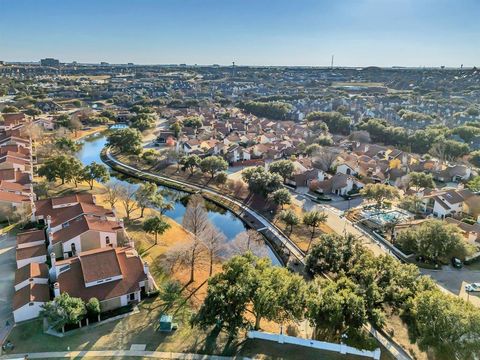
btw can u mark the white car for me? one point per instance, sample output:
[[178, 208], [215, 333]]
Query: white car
[[472, 287]]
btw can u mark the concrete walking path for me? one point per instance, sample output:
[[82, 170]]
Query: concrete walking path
[[118, 354]]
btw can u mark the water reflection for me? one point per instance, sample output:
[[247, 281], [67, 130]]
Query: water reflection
[[223, 219]]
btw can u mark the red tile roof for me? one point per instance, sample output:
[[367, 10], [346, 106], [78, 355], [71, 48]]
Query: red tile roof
[[32, 270]]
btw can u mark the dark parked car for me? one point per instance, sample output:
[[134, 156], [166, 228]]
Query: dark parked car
[[456, 263]]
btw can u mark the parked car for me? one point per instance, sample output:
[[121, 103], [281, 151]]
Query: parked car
[[472, 287], [457, 263]]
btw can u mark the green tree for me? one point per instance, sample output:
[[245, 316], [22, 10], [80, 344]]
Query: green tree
[[337, 123], [95, 172], [156, 225], [379, 193], [446, 324], [449, 149], [193, 122], [474, 184], [145, 196], [261, 181], [176, 127], [313, 219], [289, 218], [271, 109], [68, 145], [64, 310], [475, 158], [420, 180], [248, 284], [284, 168], [143, 122], [9, 109], [337, 305], [213, 165], [332, 253], [127, 141], [433, 239], [64, 167], [190, 162], [312, 149], [282, 197], [93, 307], [33, 112]]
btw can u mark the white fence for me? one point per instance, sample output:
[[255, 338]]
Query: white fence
[[340, 348]]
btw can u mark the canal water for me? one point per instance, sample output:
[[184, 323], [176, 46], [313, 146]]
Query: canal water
[[223, 219]]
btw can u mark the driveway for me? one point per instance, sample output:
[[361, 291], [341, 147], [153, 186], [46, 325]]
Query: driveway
[[7, 277]]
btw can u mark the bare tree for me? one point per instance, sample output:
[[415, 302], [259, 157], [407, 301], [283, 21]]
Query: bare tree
[[360, 136], [127, 197], [196, 222], [113, 193], [249, 240], [325, 158], [214, 241], [34, 131]]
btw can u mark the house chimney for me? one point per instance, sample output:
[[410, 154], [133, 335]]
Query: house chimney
[[56, 290], [52, 272], [49, 222], [94, 199], [33, 218], [121, 223], [146, 268]]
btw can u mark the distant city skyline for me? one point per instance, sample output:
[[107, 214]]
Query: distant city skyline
[[410, 33]]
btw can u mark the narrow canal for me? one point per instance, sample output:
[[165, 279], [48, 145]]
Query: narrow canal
[[223, 219]]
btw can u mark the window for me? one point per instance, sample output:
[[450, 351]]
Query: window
[[107, 240], [74, 250], [131, 297]]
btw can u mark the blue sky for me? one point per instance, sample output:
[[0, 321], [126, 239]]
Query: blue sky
[[251, 32]]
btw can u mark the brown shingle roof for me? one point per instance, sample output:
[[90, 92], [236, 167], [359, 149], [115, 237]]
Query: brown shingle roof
[[62, 215], [99, 264], [72, 280], [27, 294], [82, 224], [32, 270], [30, 252], [30, 236]]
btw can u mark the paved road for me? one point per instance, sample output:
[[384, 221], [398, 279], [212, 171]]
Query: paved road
[[7, 277]]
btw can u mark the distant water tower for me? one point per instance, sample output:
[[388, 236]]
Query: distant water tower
[[233, 68]]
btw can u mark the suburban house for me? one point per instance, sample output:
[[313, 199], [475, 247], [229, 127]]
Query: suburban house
[[304, 173], [471, 232], [85, 233], [28, 301], [340, 184], [443, 203], [58, 212], [115, 276]]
